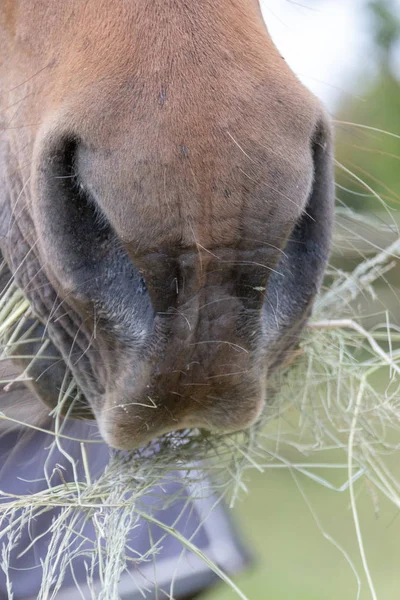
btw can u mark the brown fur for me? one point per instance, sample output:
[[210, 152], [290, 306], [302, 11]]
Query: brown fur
[[197, 146]]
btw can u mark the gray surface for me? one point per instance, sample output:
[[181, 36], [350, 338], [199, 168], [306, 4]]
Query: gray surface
[[22, 473]]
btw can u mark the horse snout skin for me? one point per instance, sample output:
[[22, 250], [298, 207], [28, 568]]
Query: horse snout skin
[[167, 209]]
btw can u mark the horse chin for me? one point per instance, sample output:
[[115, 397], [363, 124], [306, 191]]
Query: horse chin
[[128, 434]]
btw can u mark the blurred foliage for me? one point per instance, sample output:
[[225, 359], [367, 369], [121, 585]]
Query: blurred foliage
[[373, 156], [386, 28]]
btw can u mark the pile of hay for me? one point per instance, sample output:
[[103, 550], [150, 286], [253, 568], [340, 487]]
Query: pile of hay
[[328, 395]]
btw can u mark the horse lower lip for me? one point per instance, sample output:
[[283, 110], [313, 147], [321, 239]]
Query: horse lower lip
[[128, 425], [129, 437]]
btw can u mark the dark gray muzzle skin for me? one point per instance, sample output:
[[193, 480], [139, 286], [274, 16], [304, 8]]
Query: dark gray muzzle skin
[[289, 299]]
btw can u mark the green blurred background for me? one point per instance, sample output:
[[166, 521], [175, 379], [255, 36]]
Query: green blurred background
[[292, 523]]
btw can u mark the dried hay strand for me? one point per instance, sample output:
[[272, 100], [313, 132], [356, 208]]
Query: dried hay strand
[[328, 394]]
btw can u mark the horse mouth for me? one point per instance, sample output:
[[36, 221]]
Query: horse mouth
[[128, 417]]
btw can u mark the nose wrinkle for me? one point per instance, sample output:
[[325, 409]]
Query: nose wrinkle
[[203, 337]]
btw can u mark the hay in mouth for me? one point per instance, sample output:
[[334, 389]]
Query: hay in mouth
[[327, 399]]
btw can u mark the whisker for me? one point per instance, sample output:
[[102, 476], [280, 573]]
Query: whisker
[[369, 188], [368, 128], [236, 346], [27, 80]]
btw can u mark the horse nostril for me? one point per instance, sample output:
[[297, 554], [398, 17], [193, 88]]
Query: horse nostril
[[81, 245], [72, 221]]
